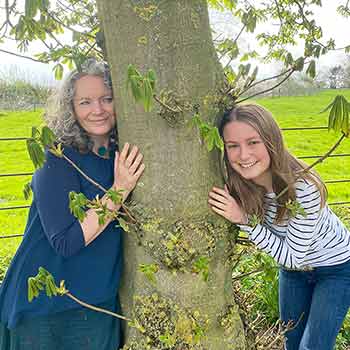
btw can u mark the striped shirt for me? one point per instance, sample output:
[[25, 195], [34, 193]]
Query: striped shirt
[[314, 238]]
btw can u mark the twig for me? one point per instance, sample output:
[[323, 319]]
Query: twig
[[125, 208], [269, 89], [22, 56], [247, 274], [83, 174], [166, 106], [95, 308]]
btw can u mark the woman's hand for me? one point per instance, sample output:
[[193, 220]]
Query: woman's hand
[[222, 203], [128, 168]]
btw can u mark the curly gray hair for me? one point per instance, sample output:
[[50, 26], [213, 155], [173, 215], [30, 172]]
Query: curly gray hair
[[60, 115]]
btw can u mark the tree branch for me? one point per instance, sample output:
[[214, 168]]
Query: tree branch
[[22, 56], [95, 308], [269, 89]]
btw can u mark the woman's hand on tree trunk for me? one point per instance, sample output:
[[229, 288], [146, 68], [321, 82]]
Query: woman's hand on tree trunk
[[222, 203], [128, 168]]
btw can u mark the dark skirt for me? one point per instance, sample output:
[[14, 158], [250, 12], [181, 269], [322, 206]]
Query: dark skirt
[[78, 329]]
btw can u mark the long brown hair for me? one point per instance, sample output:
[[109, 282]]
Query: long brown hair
[[284, 166]]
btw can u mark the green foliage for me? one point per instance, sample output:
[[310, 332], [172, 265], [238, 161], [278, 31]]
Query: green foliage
[[116, 196], [261, 287], [339, 115], [222, 4], [149, 270], [27, 190], [36, 153], [142, 87], [77, 205], [37, 143], [311, 69], [201, 265], [254, 220], [295, 208], [44, 280], [208, 133], [123, 224]]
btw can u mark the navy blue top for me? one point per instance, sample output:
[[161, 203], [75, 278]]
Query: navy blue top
[[54, 239]]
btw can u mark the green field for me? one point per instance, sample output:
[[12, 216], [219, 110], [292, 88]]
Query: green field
[[289, 111]]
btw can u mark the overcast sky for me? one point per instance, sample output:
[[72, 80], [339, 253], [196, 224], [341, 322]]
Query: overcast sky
[[333, 25]]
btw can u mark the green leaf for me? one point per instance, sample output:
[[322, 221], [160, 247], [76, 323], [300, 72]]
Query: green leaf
[[123, 224], [47, 136], [77, 204], [115, 196], [58, 70], [36, 153], [299, 64], [35, 133], [27, 191], [201, 265], [311, 69], [151, 76], [147, 95], [338, 119], [149, 270], [31, 8]]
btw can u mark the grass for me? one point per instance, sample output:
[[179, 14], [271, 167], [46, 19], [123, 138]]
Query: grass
[[14, 159], [301, 111]]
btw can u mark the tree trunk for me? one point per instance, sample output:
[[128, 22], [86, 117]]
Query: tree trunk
[[177, 277]]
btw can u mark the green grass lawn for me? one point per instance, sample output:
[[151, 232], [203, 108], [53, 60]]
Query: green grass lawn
[[14, 159], [304, 111]]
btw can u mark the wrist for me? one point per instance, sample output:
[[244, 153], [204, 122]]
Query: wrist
[[123, 192]]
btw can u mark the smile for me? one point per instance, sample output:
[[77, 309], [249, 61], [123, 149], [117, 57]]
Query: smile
[[247, 165]]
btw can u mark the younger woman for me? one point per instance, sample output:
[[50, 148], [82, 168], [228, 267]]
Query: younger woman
[[309, 242]]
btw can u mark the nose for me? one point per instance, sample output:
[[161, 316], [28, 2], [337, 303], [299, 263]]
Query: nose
[[97, 107], [244, 153]]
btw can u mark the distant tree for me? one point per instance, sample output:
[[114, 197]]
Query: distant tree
[[336, 77]]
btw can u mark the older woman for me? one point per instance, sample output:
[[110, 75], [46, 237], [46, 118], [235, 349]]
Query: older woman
[[87, 254]]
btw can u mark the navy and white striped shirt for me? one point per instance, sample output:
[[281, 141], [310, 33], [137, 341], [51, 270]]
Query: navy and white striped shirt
[[317, 239]]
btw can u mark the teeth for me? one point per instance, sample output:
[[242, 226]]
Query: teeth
[[247, 165]]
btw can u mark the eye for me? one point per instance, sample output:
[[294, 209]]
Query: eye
[[107, 99], [254, 142], [231, 146], [84, 102]]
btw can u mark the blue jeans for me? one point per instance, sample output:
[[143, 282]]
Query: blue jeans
[[317, 301]]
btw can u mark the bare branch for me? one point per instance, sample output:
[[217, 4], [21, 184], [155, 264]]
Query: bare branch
[[269, 89], [22, 56], [95, 308]]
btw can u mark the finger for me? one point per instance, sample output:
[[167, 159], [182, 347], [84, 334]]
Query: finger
[[139, 171], [217, 204], [218, 211], [124, 152], [226, 189], [221, 192], [131, 156], [218, 197], [134, 166], [116, 160]]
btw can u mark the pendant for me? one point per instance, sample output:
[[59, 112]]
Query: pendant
[[101, 151]]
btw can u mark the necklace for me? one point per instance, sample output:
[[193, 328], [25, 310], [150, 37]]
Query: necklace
[[102, 151]]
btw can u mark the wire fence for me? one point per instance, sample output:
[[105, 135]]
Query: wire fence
[[339, 203]]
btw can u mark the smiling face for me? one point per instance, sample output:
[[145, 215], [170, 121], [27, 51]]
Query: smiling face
[[93, 106], [247, 153]]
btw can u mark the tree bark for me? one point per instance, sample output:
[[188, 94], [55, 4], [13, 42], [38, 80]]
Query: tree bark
[[175, 304]]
